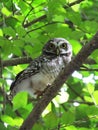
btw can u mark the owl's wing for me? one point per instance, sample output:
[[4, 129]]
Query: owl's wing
[[32, 69]]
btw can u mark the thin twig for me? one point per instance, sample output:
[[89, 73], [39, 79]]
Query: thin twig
[[55, 22], [34, 21], [73, 3], [27, 16], [75, 92], [81, 102], [45, 16], [76, 123], [32, 8], [88, 69]]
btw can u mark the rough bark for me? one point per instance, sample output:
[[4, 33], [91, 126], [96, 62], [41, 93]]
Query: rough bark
[[16, 61]]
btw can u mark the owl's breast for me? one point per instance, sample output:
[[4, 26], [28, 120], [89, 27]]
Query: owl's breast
[[52, 69], [47, 75]]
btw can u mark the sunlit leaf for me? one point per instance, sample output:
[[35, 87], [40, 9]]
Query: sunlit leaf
[[18, 121], [71, 127], [7, 119], [11, 121], [76, 46], [1, 32], [20, 100], [95, 94], [5, 11]]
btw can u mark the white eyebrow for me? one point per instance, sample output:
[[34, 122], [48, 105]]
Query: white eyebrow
[[59, 43], [54, 43], [62, 42]]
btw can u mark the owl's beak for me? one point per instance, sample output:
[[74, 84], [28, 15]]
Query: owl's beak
[[58, 51]]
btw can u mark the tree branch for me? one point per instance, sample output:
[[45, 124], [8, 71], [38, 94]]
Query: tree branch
[[88, 69], [26, 60], [45, 16], [81, 102], [35, 21], [73, 3], [55, 22], [75, 92], [55, 87], [16, 61]]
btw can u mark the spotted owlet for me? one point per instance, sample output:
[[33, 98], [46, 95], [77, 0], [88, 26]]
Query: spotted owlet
[[43, 70]]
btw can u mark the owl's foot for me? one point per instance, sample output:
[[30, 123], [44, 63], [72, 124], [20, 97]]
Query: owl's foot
[[41, 93], [38, 93]]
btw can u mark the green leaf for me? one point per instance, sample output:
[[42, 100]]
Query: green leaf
[[19, 43], [68, 117], [6, 47], [33, 49], [90, 88], [95, 55], [21, 31], [55, 9], [5, 11], [28, 49], [2, 127], [89, 26], [95, 94], [13, 22], [2, 81], [92, 111], [75, 45], [1, 32], [25, 111], [10, 121], [17, 51], [24, 7], [74, 17], [80, 112], [38, 126], [20, 100], [51, 120], [7, 119], [19, 18], [9, 31], [18, 121], [77, 34], [17, 69], [8, 111], [71, 128]]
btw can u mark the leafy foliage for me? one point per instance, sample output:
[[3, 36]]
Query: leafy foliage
[[25, 26]]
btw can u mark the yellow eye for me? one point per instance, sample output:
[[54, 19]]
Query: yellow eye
[[51, 46], [64, 46]]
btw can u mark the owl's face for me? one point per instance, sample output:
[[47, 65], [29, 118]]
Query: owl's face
[[58, 47]]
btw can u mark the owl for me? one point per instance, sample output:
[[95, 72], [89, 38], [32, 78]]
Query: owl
[[43, 70]]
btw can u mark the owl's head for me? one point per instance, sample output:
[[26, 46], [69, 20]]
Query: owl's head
[[58, 47]]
